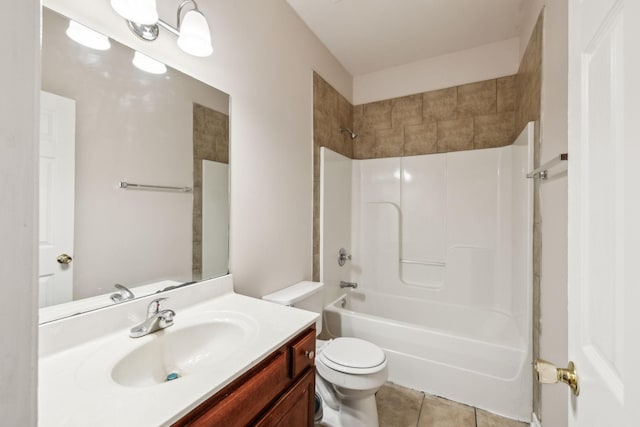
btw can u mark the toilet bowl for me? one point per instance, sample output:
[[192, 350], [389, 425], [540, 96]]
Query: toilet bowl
[[349, 371]]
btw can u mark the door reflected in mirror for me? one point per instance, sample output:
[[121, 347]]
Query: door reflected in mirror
[[103, 121]]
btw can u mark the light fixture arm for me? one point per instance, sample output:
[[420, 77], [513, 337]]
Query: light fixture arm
[[168, 27], [192, 28], [182, 6], [176, 30]]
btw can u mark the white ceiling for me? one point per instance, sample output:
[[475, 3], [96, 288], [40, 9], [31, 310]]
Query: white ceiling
[[372, 35]]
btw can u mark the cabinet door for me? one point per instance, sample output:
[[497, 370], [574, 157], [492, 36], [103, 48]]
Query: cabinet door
[[245, 399], [295, 408]]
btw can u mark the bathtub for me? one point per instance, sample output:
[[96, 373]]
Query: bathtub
[[469, 355]]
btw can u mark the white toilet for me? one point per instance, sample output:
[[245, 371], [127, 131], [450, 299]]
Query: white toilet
[[349, 371]]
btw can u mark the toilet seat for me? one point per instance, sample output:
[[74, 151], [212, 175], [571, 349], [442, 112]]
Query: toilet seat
[[353, 356]]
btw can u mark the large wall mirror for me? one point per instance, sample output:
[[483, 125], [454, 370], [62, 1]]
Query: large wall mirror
[[112, 119]]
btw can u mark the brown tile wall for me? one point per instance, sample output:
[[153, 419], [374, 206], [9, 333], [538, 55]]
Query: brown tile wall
[[331, 111], [467, 117], [210, 142], [529, 90]]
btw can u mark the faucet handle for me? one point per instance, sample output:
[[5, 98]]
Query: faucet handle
[[154, 306], [166, 318], [123, 294]]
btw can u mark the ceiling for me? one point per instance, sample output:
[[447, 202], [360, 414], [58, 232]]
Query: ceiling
[[372, 35]]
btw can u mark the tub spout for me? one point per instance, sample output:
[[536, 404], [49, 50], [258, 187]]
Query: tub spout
[[344, 284]]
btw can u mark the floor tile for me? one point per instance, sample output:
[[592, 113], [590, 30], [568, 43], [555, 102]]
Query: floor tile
[[398, 406], [439, 412], [487, 419]]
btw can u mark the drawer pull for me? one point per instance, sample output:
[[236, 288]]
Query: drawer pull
[[310, 354]]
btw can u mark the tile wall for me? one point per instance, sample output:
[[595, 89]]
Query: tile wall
[[467, 117], [210, 142], [529, 89]]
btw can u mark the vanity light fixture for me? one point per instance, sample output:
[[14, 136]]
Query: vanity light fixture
[[147, 64], [140, 11], [192, 30], [87, 37]]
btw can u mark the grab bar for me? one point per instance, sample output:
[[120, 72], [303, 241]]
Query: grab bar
[[542, 171], [125, 185], [416, 262]]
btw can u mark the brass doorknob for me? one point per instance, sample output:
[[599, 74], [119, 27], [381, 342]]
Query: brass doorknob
[[569, 376], [548, 373], [64, 259]]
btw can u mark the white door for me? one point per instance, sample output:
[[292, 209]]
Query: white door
[[57, 185], [604, 217], [215, 219]]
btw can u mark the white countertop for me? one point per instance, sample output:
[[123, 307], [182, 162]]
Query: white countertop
[[73, 392]]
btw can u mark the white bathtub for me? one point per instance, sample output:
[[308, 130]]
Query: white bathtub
[[469, 355]]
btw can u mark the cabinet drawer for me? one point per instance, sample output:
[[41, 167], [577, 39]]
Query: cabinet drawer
[[303, 353], [242, 401]]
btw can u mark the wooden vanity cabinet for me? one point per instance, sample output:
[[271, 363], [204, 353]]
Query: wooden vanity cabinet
[[278, 392]]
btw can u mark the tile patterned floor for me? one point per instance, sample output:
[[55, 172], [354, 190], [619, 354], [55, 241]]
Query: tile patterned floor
[[403, 407]]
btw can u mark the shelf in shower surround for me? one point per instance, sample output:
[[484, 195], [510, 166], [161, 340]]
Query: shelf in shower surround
[[432, 263]]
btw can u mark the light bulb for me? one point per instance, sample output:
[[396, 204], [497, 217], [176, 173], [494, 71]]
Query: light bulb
[[147, 64], [87, 37], [195, 38], [138, 11]]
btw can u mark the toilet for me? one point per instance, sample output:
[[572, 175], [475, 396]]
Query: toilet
[[349, 371]]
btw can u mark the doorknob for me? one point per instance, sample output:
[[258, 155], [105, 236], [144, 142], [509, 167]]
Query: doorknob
[[548, 373], [64, 259]]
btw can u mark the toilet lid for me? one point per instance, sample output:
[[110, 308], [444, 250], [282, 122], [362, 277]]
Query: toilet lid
[[352, 354]]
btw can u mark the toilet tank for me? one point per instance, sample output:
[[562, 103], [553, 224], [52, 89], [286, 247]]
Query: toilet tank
[[304, 295]]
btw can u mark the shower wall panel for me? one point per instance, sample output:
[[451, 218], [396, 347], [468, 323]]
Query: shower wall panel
[[335, 220], [437, 227]]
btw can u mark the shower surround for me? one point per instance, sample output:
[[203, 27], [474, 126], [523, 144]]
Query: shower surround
[[441, 249], [466, 117]]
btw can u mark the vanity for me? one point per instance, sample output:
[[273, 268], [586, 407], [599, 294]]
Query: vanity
[[227, 360]]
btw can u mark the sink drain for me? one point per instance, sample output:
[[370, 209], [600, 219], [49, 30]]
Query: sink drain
[[172, 376]]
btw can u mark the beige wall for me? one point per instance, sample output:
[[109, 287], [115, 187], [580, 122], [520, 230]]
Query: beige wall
[[19, 44], [472, 65]]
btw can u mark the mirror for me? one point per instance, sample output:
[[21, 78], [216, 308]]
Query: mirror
[[108, 127]]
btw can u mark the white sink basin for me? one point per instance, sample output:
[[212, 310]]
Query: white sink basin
[[172, 353]]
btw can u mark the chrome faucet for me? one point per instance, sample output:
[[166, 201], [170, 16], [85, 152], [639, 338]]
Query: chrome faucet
[[344, 284], [156, 319], [123, 294]]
